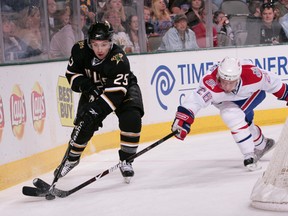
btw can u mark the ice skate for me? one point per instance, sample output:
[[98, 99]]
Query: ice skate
[[68, 166], [270, 144], [126, 171], [250, 162]]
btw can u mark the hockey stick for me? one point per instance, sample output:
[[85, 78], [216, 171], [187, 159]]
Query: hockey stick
[[43, 189], [61, 193]]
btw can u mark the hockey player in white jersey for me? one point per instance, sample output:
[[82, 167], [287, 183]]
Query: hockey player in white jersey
[[235, 89]]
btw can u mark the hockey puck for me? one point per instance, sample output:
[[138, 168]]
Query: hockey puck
[[49, 197]]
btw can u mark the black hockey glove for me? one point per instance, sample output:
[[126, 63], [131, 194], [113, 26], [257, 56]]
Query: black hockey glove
[[91, 116], [92, 93]]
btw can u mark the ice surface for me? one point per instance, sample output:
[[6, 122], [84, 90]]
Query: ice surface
[[202, 176]]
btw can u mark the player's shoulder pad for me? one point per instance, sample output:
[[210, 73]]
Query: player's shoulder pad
[[251, 74], [117, 56], [79, 47], [210, 81]]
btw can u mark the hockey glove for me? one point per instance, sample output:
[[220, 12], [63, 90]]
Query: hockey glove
[[93, 93], [282, 94], [182, 122], [91, 115]]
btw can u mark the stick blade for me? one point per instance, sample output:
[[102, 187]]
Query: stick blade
[[41, 184], [32, 191], [41, 188]]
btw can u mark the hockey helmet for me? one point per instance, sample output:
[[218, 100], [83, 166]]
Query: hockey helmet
[[229, 69], [100, 31]]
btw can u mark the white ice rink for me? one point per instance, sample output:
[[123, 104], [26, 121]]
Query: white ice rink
[[202, 176]]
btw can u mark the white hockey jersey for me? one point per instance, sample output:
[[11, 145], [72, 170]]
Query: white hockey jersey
[[252, 80]]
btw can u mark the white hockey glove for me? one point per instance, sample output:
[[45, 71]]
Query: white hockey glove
[[182, 122]]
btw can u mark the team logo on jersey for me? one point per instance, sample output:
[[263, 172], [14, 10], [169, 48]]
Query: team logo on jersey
[[211, 83], [118, 57], [256, 71]]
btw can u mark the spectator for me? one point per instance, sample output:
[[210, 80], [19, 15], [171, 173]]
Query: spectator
[[114, 18], [160, 17], [170, 2], [223, 28], [118, 6], [179, 37], [200, 31], [29, 27], [276, 14], [132, 30], [148, 3], [119, 37], [282, 7], [100, 9], [180, 6], [193, 13], [62, 17], [63, 41], [14, 5], [284, 23], [254, 8], [129, 7], [271, 31], [253, 23], [51, 12], [149, 28], [14, 47], [87, 6]]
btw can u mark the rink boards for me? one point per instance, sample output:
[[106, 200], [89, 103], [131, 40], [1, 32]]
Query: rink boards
[[37, 107]]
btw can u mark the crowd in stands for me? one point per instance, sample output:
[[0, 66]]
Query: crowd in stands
[[170, 25]]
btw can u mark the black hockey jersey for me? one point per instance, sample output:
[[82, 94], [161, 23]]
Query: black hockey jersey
[[111, 75]]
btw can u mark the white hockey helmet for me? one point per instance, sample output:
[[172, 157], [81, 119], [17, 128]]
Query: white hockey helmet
[[229, 69]]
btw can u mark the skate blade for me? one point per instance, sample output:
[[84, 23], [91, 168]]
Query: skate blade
[[254, 167], [127, 180]]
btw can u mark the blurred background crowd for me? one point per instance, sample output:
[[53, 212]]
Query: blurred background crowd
[[40, 30]]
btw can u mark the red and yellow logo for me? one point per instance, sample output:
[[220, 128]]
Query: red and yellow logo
[[17, 112], [38, 108], [2, 120]]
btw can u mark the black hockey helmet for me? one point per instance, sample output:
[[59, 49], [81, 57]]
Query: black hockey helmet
[[100, 31]]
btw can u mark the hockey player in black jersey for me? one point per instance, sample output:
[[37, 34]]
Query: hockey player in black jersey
[[100, 71]]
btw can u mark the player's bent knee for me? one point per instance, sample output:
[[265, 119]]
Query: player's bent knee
[[130, 121], [84, 130], [234, 118]]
